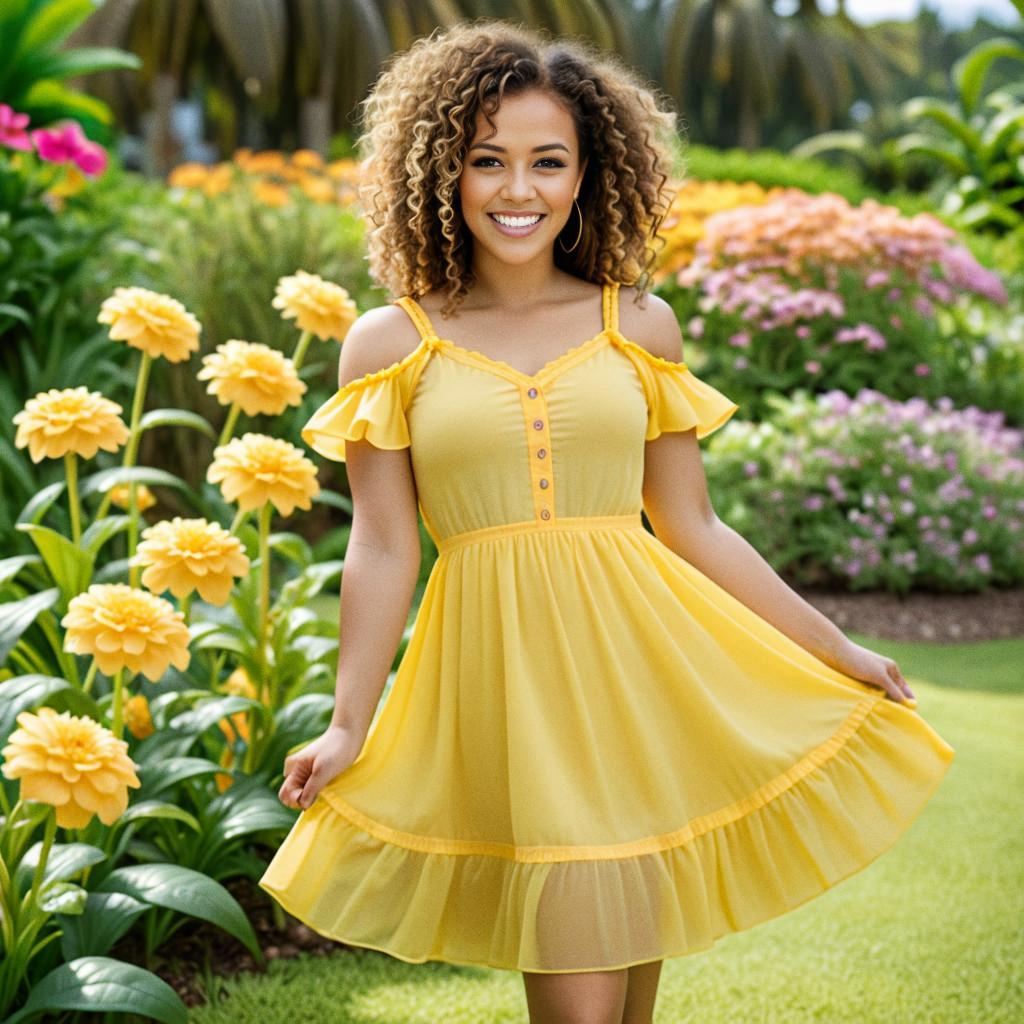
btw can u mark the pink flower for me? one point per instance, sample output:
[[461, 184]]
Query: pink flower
[[803, 331], [68, 143], [812, 366], [12, 129], [922, 369]]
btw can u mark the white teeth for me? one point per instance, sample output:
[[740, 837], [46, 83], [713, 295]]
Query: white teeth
[[516, 222]]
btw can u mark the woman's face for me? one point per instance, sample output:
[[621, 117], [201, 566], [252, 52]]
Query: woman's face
[[529, 166]]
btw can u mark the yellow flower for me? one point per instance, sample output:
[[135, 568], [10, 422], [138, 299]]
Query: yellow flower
[[259, 378], [137, 718], [73, 420], [254, 468], [319, 306], [123, 626], [73, 763], [191, 554], [143, 496], [151, 321]]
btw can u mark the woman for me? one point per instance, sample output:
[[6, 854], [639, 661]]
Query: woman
[[603, 746]]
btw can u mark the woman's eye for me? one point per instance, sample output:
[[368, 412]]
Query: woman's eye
[[548, 159]]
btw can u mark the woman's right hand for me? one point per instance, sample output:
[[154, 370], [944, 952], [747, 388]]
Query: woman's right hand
[[308, 770]]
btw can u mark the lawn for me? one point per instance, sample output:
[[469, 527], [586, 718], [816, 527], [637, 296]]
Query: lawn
[[930, 933]]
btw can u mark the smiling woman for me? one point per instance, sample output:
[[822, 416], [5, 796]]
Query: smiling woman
[[594, 755]]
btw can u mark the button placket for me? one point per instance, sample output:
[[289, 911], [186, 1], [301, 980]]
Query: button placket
[[538, 432]]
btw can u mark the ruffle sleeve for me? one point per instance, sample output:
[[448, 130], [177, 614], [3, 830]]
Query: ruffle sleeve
[[676, 398], [371, 407]]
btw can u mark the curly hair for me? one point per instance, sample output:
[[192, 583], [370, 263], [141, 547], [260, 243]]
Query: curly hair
[[419, 119]]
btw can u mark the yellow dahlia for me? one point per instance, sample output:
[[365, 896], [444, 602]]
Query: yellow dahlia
[[254, 468], [191, 554], [151, 321], [143, 496], [71, 762], [73, 420], [259, 378], [137, 717], [321, 307], [124, 627]]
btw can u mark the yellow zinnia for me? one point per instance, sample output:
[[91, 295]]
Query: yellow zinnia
[[137, 717], [191, 554], [152, 322], [71, 762], [73, 420], [143, 496], [255, 468], [259, 378], [321, 307], [124, 627]]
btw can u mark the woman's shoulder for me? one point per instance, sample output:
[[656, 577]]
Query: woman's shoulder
[[650, 323], [380, 339]]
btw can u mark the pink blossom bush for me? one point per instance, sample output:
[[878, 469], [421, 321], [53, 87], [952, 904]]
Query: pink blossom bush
[[819, 294], [873, 493]]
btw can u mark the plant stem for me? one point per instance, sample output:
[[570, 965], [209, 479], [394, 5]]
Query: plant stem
[[44, 853], [117, 728], [74, 509], [89, 677], [300, 349], [229, 424]]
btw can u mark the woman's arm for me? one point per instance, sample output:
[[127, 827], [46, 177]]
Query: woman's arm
[[676, 500], [383, 557]]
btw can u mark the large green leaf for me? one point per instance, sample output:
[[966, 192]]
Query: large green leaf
[[105, 918], [98, 984], [64, 861], [157, 776], [10, 567], [86, 60], [40, 502], [201, 717], [188, 892], [23, 693], [177, 418], [69, 565], [17, 616]]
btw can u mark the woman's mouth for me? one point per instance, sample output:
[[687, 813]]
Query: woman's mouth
[[517, 227]]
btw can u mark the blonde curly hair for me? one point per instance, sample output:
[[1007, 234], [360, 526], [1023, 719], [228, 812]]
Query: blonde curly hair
[[418, 122]]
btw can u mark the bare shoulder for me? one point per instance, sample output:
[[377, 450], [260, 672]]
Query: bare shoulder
[[379, 338], [652, 324]]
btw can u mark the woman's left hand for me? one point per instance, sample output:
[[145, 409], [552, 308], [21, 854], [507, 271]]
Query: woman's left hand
[[871, 667]]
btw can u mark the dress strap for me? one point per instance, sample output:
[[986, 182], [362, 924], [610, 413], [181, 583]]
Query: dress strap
[[419, 316], [610, 300]]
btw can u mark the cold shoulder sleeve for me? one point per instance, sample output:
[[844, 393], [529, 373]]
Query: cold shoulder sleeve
[[676, 398], [371, 407]]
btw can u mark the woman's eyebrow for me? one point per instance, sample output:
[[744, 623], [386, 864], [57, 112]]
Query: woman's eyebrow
[[501, 149]]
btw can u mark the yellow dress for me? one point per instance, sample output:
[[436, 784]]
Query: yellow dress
[[592, 755]]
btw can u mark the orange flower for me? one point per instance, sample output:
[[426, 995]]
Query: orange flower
[[124, 627], [152, 322], [191, 554], [143, 496], [75, 764], [259, 378], [73, 420], [137, 717], [255, 468], [318, 306]]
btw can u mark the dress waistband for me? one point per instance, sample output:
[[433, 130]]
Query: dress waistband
[[630, 521]]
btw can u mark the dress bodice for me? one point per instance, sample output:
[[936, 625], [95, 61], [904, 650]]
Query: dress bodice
[[492, 447]]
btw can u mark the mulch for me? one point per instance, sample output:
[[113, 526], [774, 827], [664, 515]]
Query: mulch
[[199, 951]]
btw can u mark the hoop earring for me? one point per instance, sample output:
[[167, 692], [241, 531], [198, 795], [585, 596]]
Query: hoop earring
[[579, 234]]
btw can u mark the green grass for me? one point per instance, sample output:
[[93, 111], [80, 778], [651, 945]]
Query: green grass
[[932, 932]]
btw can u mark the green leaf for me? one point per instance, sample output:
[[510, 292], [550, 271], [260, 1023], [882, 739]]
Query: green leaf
[[98, 984], [158, 810], [38, 505], [101, 531], [10, 567], [70, 566], [160, 775], [63, 898], [106, 478], [189, 892], [201, 717], [65, 860], [105, 917], [85, 61], [177, 418], [17, 616]]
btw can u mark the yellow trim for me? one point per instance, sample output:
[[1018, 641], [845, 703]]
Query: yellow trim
[[616, 851], [631, 520]]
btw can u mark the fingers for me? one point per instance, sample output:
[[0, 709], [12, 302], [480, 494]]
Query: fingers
[[900, 688]]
